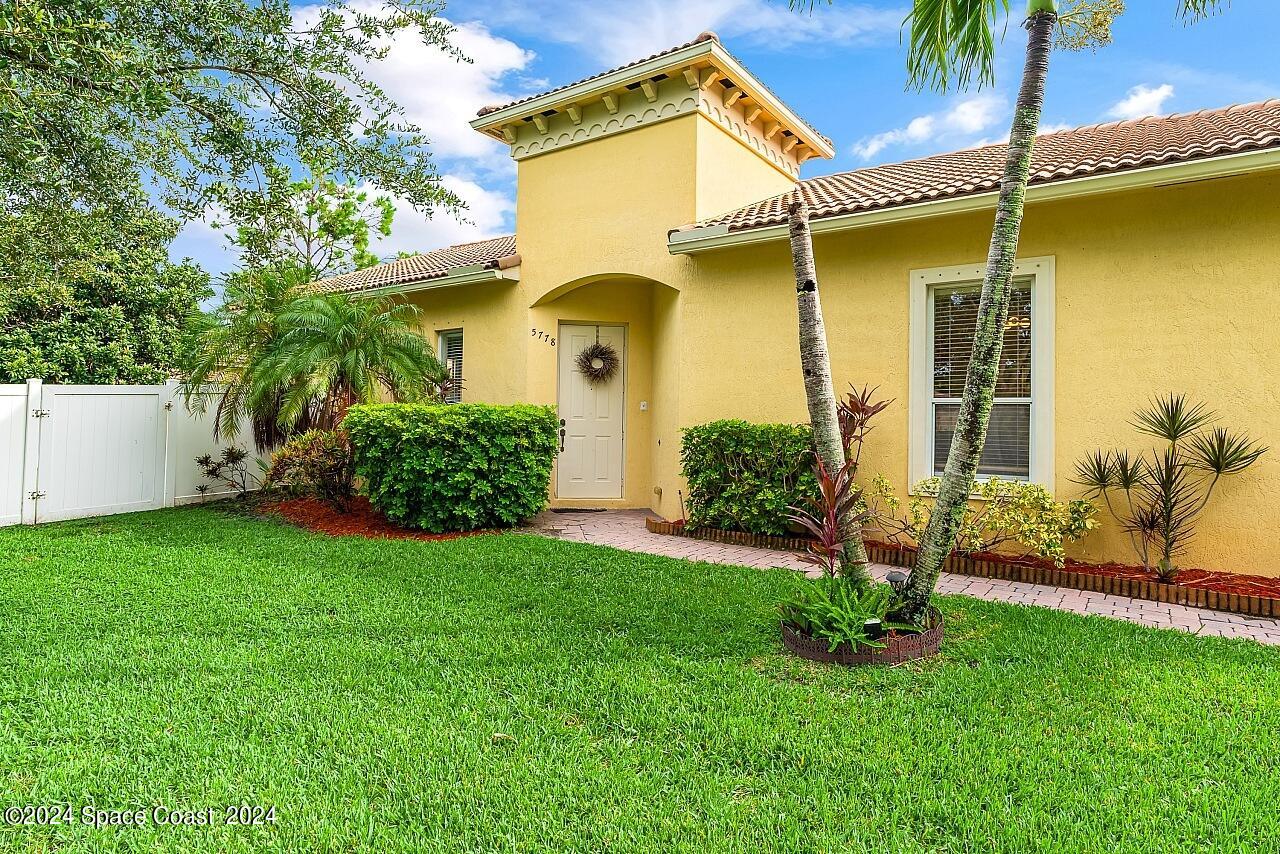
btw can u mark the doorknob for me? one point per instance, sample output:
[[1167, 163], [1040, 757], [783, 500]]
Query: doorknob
[[562, 435]]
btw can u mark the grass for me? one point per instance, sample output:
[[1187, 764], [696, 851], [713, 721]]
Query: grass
[[515, 693]]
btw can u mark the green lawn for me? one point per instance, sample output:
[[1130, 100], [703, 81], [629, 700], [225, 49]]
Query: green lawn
[[514, 693]]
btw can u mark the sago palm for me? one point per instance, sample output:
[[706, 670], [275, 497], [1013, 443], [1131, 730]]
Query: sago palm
[[335, 351]]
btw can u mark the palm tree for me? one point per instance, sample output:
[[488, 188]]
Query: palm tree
[[815, 366], [950, 41], [335, 351], [226, 350]]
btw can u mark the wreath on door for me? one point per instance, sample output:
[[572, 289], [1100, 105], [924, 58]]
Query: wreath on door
[[597, 362]]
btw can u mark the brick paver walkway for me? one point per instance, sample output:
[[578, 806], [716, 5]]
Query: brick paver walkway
[[625, 529]]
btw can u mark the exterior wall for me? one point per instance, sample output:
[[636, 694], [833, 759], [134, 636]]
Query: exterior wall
[[1166, 289], [492, 318]]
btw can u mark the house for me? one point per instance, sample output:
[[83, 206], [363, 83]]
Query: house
[[650, 215]]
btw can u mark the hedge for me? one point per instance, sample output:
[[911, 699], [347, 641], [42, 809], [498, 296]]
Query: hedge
[[454, 468], [745, 477]]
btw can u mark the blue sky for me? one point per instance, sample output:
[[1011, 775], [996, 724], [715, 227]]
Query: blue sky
[[841, 67]]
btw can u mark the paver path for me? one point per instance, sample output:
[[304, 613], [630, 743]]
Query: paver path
[[624, 529]]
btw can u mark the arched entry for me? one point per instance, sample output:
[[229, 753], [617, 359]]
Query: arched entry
[[615, 427]]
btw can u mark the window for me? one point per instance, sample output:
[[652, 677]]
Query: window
[[944, 318], [451, 355]]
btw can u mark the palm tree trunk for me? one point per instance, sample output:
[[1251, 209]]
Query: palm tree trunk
[[815, 364], [993, 310]]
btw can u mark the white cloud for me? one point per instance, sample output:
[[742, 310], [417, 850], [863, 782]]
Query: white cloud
[[488, 213], [615, 32], [441, 93], [964, 119], [1141, 101]]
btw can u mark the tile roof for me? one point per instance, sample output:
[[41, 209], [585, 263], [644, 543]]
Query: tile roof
[[702, 37], [707, 36], [1082, 152], [499, 252]]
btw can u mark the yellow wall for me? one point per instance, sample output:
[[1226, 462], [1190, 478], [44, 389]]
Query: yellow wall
[[1167, 289]]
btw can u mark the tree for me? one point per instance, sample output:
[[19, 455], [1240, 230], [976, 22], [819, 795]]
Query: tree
[[952, 40], [90, 295], [227, 349], [317, 224], [337, 351], [210, 97], [815, 366]]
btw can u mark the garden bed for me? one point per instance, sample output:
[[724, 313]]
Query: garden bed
[[897, 649], [1254, 595], [360, 521]]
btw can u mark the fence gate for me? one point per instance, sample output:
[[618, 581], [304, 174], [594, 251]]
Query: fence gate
[[102, 450], [68, 451]]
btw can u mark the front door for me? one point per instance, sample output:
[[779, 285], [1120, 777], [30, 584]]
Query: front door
[[591, 415]]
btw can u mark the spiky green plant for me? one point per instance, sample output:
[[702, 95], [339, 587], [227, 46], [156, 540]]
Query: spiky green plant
[[1158, 497]]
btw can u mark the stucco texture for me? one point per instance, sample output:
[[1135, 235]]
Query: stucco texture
[[1157, 290]]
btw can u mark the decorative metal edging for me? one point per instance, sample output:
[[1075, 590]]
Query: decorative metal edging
[[904, 556]]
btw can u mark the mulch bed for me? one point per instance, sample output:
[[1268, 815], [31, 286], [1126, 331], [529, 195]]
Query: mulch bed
[[361, 521], [1203, 579]]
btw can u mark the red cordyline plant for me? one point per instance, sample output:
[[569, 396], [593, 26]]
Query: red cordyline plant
[[821, 514]]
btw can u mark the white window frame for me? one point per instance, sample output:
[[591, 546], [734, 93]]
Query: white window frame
[[441, 336], [1042, 274]]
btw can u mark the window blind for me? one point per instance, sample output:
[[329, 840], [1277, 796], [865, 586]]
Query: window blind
[[1007, 452], [451, 353]]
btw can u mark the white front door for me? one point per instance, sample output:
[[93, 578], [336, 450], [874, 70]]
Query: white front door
[[591, 416]]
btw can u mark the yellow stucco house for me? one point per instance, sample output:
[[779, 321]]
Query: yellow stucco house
[[650, 214]]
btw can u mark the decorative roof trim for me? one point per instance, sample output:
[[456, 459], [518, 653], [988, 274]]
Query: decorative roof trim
[[474, 274], [691, 241], [706, 50]]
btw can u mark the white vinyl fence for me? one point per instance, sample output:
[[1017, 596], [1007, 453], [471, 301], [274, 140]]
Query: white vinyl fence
[[68, 451]]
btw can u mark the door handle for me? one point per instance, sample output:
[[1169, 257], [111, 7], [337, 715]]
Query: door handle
[[562, 435]]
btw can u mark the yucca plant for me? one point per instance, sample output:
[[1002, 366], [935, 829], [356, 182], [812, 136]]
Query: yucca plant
[[1158, 497]]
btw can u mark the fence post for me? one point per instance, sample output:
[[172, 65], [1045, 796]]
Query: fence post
[[31, 454], [169, 403]]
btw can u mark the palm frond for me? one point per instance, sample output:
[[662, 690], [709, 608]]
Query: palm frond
[[1097, 472], [1195, 10], [952, 42]]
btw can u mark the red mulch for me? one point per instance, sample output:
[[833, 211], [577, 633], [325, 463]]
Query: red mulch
[[360, 521], [1222, 582]]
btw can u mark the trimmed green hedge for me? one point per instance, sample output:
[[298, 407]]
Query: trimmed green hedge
[[454, 468], [745, 477]]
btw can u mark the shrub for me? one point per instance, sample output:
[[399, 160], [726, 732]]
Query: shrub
[[454, 468], [834, 609], [1010, 512], [230, 467], [316, 463], [747, 477], [1158, 497]]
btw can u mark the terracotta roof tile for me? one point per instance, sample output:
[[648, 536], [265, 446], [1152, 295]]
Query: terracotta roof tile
[[1082, 152], [702, 37], [419, 268]]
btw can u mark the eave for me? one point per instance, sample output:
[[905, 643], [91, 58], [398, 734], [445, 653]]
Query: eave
[[460, 276], [691, 241], [701, 63]]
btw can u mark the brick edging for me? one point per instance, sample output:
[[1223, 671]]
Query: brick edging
[[1152, 591], [736, 538]]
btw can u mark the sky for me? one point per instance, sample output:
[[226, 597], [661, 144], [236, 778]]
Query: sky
[[841, 67]]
